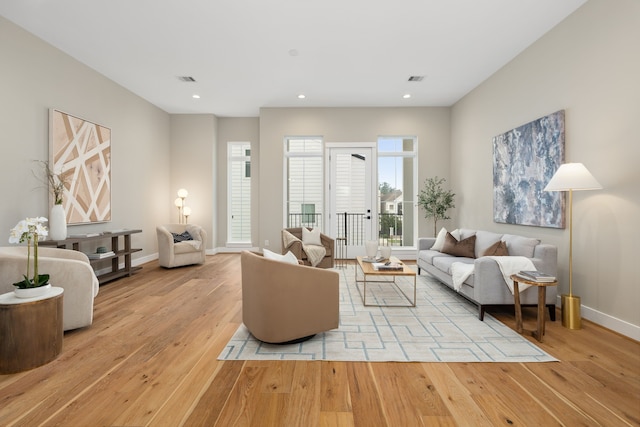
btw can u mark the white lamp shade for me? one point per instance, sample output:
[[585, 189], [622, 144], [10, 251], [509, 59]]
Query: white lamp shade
[[178, 202], [572, 176], [186, 211], [182, 193]]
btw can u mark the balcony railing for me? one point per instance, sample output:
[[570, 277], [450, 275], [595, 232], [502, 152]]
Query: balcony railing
[[351, 226]]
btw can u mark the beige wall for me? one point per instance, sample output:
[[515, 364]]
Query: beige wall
[[430, 125], [34, 77], [589, 65], [193, 156], [241, 129]]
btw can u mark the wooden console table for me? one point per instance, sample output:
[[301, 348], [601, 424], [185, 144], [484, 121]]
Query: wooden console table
[[124, 251]]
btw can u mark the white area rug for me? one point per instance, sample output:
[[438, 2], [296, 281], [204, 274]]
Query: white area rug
[[443, 327]]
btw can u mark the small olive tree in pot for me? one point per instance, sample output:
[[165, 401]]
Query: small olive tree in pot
[[435, 200]]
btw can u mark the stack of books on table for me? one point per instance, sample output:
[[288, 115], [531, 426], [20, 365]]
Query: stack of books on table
[[387, 266], [101, 255], [537, 276]]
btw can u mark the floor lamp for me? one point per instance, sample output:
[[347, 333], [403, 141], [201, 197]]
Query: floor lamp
[[571, 177]]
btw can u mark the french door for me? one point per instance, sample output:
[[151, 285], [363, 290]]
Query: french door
[[351, 194]]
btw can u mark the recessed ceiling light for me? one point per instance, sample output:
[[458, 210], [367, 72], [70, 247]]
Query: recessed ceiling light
[[293, 52], [301, 96], [196, 96], [406, 96]]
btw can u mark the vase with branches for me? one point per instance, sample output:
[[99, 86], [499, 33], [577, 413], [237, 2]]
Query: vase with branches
[[56, 183], [435, 200]]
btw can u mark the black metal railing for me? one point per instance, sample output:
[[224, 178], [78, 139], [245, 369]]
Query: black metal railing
[[311, 220], [351, 226]]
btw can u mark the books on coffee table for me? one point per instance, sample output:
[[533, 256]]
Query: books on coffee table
[[387, 266], [537, 276]]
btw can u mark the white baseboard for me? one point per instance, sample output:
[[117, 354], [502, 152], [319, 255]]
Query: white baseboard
[[607, 321]]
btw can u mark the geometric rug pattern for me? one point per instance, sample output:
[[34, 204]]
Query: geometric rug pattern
[[443, 327]]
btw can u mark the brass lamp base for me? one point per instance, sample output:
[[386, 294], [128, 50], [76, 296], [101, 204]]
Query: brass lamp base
[[571, 312]]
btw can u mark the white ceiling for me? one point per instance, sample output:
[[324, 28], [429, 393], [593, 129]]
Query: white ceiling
[[350, 53]]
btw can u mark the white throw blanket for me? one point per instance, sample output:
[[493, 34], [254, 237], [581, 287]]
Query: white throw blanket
[[509, 265], [314, 253]]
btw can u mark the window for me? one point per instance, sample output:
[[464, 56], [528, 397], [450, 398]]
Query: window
[[239, 193], [304, 182], [397, 184]]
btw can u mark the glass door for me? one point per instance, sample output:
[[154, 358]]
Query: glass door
[[353, 214]]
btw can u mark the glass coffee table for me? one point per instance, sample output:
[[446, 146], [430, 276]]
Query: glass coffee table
[[371, 275]]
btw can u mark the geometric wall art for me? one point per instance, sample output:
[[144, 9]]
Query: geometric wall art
[[524, 160], [81, 152]]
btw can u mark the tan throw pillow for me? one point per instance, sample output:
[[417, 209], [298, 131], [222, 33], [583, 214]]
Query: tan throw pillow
[[499, 248], [465, 247]]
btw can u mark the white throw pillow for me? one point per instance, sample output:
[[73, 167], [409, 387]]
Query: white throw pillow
[[311, 237], [289, 257], [437, 246]]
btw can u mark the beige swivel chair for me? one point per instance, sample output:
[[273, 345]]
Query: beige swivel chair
[[175, 254], [284, 302], [67, 269], [295, 247]]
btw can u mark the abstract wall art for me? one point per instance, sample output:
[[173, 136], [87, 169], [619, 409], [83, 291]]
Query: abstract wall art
[[81, 151], [524, 160]]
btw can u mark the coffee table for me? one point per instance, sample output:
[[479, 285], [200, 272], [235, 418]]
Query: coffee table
[[368, 271]]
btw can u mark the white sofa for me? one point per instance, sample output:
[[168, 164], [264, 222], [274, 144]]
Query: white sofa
[[176, 254], [67, 269], [486, 287]]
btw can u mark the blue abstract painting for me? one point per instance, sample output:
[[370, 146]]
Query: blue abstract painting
[[524, 160]]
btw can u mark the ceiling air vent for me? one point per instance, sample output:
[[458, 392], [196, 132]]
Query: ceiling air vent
[[416, 78], [186, 78]]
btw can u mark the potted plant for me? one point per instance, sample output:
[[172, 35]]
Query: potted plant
[[435, 200], [29, 230]]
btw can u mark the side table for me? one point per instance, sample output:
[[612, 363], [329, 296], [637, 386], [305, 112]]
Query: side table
[[30, 330], [542, 296]]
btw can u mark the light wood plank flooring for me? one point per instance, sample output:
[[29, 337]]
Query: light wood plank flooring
[[150, 359]]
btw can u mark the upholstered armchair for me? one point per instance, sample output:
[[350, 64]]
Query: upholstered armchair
[[67, 269], [283, 302], [175, 252], [296, 247]]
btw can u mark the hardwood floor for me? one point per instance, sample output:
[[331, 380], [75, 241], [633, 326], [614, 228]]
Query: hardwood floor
[[150, 359]]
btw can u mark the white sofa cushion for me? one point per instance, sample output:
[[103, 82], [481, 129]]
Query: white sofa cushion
[[520, 246]]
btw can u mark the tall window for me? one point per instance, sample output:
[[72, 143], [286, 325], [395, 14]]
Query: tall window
[[397, 185], [239, 193], [304, 178]]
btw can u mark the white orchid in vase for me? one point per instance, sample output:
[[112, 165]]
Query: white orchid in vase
[[30, 230]]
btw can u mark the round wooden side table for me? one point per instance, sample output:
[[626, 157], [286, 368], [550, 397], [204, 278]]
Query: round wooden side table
[[30, 330], [542, 296]]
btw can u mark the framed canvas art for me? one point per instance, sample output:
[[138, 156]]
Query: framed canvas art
[[524, 160], [81, 151]]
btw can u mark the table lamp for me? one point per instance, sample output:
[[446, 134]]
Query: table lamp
[[571, 177]]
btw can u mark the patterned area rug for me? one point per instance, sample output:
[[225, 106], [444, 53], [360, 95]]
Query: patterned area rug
[[443, 327]]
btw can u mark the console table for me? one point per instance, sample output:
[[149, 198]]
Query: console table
[[75, 241]]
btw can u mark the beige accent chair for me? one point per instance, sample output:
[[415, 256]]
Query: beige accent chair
[[178, 254], [296, 248], [284, 302], [67, 269]]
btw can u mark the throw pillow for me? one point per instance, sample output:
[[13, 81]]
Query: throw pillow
[[437, 245], [464, 248], [289, 257], [311, 237], [177, 238], [499, 248]]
